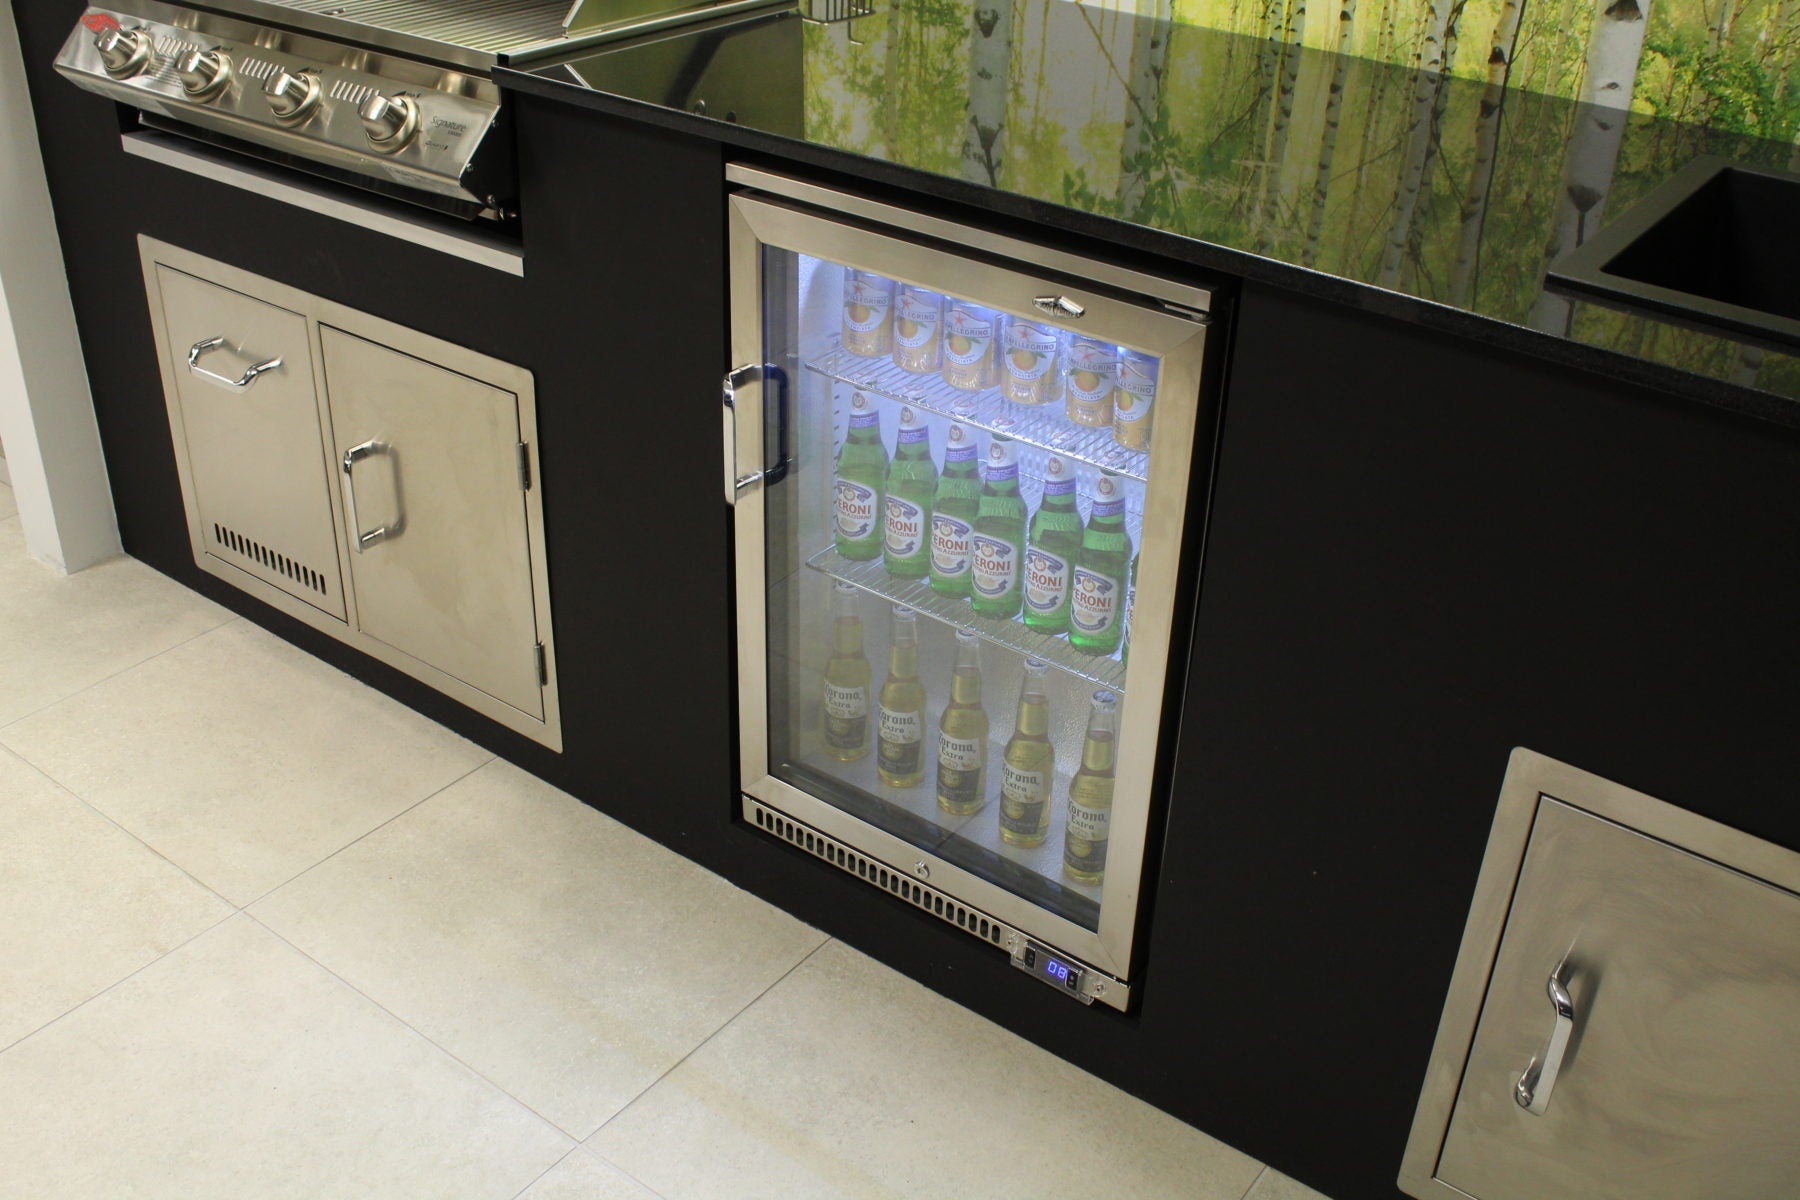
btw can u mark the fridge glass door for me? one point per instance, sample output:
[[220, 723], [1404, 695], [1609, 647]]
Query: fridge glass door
[[945, 660]]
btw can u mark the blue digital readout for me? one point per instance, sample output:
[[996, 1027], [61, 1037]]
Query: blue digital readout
[[1056, 970]]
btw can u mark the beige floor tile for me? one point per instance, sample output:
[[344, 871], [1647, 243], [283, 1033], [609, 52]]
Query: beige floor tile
[[82, 905], [581, 1176], [565, 957], [848, 1080], [7, 506], [235, 1068], [63, 633], [1275, 1186], [240, 758]]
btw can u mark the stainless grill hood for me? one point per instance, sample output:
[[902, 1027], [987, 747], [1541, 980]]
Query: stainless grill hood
[[478, 34]]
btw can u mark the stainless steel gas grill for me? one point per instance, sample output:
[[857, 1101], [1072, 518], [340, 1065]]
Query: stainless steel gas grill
[[393, 96]]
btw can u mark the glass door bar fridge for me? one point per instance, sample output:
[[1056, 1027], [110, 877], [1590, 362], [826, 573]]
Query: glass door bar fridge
[[961, 468]]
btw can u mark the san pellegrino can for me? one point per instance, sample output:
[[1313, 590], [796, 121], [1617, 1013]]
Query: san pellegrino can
[[900, 758], [1091, 794], [1031, 372], [847, 679], [970, 333], [1097, 597], [862, 465], [911, 480], [999, 538], [953, 509], [868, 313], [963, 734], [1093, 373], [1051, 546], [1133, 400], [1028, 767], [918, 317]]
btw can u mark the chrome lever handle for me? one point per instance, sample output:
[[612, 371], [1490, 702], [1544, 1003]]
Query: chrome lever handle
[[362, 539], [1059, 306], [1533, 1089], [250, 376]]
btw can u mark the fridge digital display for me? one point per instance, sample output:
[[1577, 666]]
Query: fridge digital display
[[951, 567]]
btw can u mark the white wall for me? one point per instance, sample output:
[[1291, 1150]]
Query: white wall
[[46, 411]]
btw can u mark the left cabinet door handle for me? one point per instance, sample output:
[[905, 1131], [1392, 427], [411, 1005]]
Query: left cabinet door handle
[[242, 384], [362, 539]]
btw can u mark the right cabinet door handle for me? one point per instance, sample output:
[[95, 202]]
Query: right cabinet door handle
[[363, 539], [1533, 1089]]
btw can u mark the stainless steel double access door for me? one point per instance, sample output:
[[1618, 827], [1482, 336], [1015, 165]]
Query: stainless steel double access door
[[958, 697], [374, 482]]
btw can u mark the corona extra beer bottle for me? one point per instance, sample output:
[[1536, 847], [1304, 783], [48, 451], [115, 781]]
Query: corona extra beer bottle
[[862, 464], [1028, 767], [999, 538], [1091, 794], [1051, 545], [1097, 597], [953, 509], [900, 758], [963, 734], [911, 481], [847, 678]]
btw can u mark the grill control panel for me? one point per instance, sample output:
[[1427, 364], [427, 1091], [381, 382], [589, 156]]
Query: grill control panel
[[401, 124]]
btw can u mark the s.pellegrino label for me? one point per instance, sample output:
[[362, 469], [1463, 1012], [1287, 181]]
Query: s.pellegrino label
[[846, 716], [902, 741], [1023, 795], [1094, 603], [996, 566]]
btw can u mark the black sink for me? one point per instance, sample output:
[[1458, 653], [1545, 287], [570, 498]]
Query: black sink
[[1717, 245]]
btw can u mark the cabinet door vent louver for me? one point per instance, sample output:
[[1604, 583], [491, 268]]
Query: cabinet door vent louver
[[258, 553], [882, 876]]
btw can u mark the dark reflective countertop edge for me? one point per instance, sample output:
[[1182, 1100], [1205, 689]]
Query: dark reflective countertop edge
[[1680, 384]]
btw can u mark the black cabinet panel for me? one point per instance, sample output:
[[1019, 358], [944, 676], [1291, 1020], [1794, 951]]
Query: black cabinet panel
[[1423, 554]]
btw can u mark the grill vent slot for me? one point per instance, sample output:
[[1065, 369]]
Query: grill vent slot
[[268, 559], [853, 862]]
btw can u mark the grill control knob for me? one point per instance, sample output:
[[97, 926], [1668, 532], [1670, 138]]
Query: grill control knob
[[123, 52], [391, 121], [292, 96], [203, 72]]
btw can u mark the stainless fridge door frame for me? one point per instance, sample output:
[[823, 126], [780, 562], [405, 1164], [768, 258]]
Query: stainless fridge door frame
[[1178, 337]]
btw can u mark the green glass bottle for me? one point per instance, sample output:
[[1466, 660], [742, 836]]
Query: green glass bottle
[[845, 707], [911, 481], [900, 753], [953, 509], [999, 538], [963, 734], [1097, 597], [1028, 767], [1051, 545], [1091, 794], [862, 464]]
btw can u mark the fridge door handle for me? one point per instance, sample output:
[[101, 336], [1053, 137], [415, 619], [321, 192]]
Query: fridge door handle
[[1532, 1091], [736, 481]]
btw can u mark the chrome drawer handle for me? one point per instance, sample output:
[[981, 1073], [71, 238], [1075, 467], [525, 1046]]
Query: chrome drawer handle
[[250, 376], [1532, 1091], [363, 539]]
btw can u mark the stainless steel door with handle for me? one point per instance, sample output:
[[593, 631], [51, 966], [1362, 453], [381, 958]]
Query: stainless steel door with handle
[[434, 506], [249, 415], [1666, 1063]]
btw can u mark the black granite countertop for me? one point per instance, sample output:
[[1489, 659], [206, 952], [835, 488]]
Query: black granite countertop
[[1438, 200]]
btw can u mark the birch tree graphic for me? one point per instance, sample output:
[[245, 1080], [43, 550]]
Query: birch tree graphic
[[1334, 116], [990, 57], [1143, 98], [1421, 147], [1614, 50], [1487, 145]]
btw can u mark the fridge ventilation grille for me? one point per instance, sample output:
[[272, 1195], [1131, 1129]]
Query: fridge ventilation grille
[[885, 877]]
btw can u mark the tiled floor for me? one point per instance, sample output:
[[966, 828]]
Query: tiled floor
[[236, 967]]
